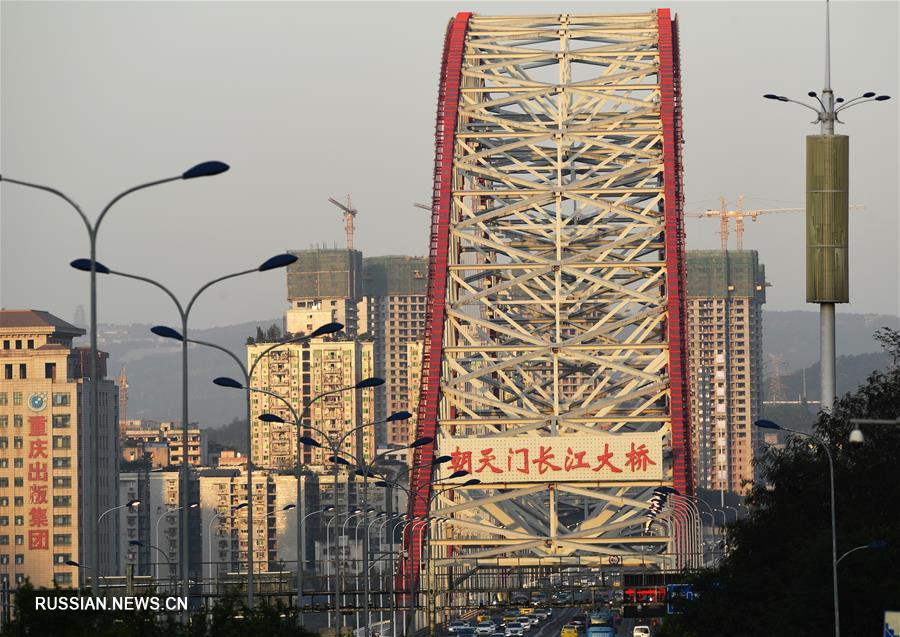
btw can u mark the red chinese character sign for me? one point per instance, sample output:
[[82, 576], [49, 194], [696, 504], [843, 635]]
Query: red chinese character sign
[[38, 476], [626, 457]]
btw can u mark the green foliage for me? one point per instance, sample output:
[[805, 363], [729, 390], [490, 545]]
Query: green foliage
[[227, 618], [777, 579]]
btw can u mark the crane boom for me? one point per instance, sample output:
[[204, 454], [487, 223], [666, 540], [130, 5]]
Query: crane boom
[[739, 214], [349, 213]]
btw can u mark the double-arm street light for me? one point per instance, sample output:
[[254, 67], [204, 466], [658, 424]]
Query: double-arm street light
[[367, 383], [184, 311], [205, 169], [768, 424]]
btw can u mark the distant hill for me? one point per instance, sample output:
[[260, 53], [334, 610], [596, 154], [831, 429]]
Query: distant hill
[[153, 366], [795, 335]]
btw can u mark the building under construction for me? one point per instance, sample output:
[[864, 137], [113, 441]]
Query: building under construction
[[323, 285], [725, 293]]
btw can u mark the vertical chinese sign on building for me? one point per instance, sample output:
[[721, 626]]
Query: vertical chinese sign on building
[[38, 484], [600, 458]]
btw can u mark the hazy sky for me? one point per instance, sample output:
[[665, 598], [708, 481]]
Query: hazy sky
[[311, 100]]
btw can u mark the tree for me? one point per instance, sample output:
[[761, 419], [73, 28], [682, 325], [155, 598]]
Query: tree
[[260, 335], [273, 333], [777, 578]]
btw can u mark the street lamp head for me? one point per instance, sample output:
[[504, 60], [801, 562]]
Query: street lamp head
[[458, 474], [339, 460], [440, 460], [857, 437], [839, 100], [288, 507], [85, 266], [135, 543], [194, 505], [330, 507], [767, 424], [812, 93], [356, 511], [73, 563], [400, 415], [771, 96], [270, 418], [878, 544], [381, 483], [167, 332], [420, 442], [882, 98], [206, 169], [366, 383], [471, 483], [278, 261], [225, 381], [133, 503], [309, 442], [328, 328], [238, 507], [869, 94]]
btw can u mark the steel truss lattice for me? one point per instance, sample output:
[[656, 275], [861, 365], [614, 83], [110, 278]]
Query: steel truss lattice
[[556, 283]]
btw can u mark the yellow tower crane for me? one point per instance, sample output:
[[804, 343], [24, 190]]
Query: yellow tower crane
[[725, 215]]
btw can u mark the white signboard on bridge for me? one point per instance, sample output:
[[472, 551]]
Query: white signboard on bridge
[[588, 458]]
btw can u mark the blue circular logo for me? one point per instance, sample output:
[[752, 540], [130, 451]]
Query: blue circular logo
[[37, 402]]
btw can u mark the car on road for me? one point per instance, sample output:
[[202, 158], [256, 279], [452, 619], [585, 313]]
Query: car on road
[[528, 622], [541, 614], [485, 628], [641, 631], [465, 631], [514, 629], [457, 625], [569, 630], [601, 631]]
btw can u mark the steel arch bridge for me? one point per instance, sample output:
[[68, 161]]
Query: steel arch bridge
[[554, 359]]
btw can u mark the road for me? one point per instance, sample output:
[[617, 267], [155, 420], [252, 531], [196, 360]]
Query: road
[[562, 616]]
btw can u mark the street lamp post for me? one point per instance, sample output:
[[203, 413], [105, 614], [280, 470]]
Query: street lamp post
[[96, 570], [768, 424], [129, 504], [205, 169], [192, 505], [237, 507], [184, 311]]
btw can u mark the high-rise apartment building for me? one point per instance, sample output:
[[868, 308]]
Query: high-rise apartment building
[[299, 372], [47, 448], [396, 290], [725, 293]]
